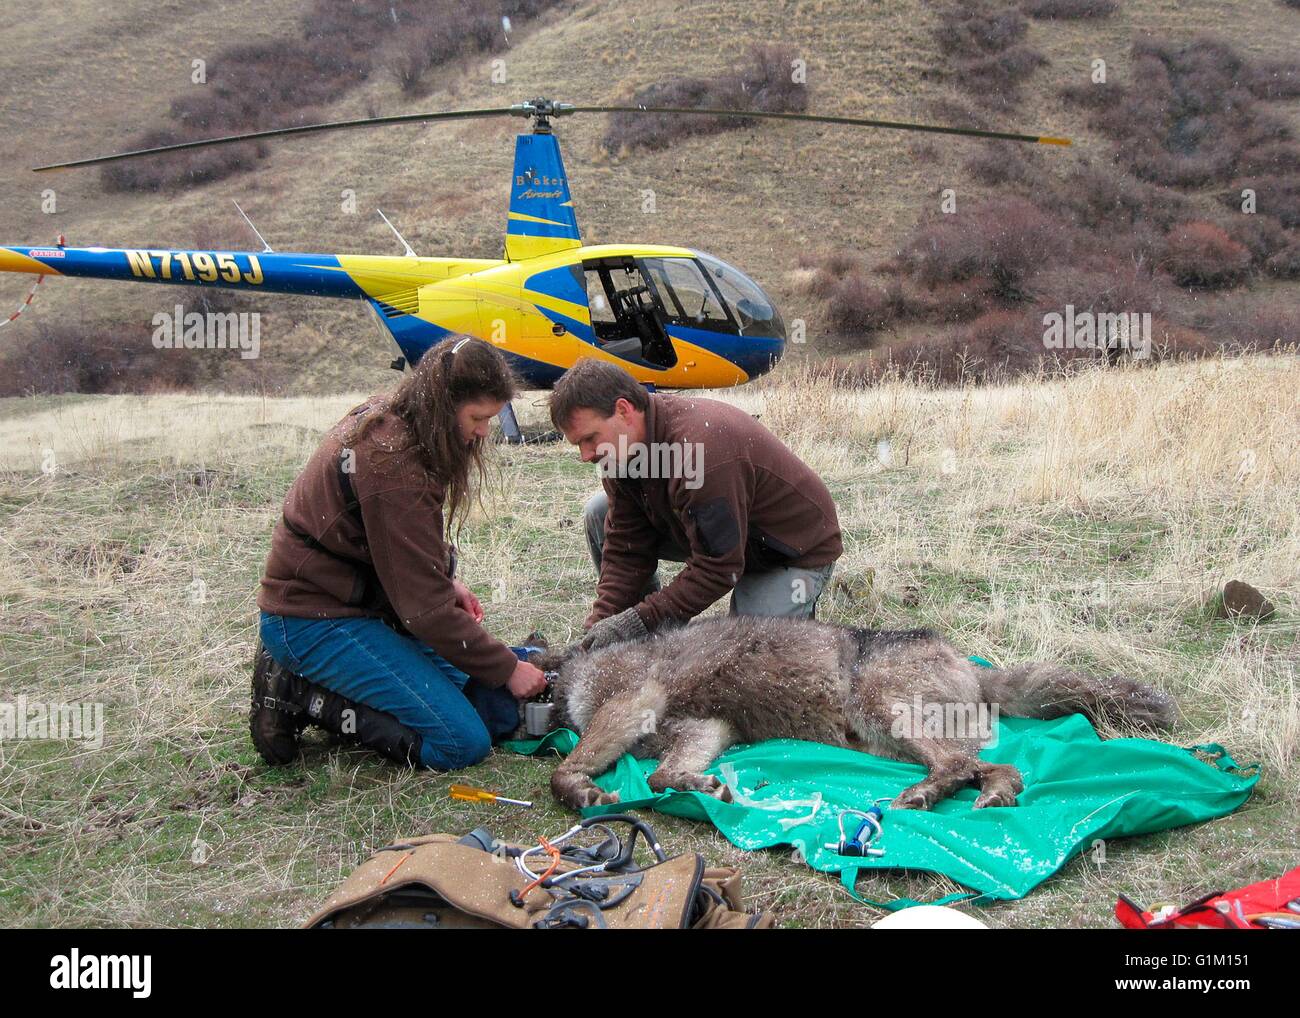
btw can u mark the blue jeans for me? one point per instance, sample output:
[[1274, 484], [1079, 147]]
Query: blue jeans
[[365, 660]]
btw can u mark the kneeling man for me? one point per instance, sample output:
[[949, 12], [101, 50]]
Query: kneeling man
[[696, 481]]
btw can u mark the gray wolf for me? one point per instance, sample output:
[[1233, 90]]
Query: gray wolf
[[684, 695]]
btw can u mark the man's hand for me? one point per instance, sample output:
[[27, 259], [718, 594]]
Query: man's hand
[[527, 681], [626, 625], [466, 600]]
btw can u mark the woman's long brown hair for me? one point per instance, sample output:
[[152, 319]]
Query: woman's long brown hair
[[456, 371]]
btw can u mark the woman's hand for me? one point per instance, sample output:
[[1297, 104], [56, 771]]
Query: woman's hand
[[526, 681], [466, 600]]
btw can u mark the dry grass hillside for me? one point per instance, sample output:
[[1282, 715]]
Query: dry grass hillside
[[82, 78], [1087, 520]]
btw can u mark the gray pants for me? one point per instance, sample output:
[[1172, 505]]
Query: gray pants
[[775, 593]]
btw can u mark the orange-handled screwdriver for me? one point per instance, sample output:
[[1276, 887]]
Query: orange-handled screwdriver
[[469, 793]]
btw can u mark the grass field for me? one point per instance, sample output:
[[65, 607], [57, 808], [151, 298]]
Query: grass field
[[1087, 520]]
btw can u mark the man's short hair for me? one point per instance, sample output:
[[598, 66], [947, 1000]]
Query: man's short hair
[[594, 385]]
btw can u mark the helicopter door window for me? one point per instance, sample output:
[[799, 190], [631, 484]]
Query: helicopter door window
[[687, 295], [602, 312], [626, 315]]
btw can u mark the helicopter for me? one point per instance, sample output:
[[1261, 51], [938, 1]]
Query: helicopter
[[673, 317]]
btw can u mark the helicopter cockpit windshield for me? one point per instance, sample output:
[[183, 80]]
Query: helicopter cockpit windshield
[[753, 310], [705, 293]]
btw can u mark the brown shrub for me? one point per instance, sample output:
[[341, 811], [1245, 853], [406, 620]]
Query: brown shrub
[[955, 110], [1270, 158], [856, 307], [249, 88], [66, 357], [1069, 9], [410, 61], [764, 84], [1203, 255], [1108, 285], [1004, 240], [1274, 195], [823, 282], [1186, 117], [1176, 169], [984, 55], [967, 31], [1010, 341], [842, 262], [1263, 236], [281, 83], [901, 303], [828, 270], [197, 166], [1005, 344], [1263, 128], [953, 303], [994, 78], [1094, 96], [998, 164], [1138, 247], [1285, 264], [995, 346], [1098, 196], [432, 41], [1275, 79]]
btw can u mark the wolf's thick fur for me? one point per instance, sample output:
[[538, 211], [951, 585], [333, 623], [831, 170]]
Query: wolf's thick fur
[[686, 695]]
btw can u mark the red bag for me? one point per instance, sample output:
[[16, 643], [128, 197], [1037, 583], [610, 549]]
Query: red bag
[[1247, 908]]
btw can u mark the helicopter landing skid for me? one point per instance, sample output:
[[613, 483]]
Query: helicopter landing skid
[[512, 434]]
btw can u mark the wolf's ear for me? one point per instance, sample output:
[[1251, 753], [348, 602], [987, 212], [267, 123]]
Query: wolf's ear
[[552, 660], [535, 639]]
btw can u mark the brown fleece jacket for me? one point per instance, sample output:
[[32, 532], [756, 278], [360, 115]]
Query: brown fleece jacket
[[757, 506], [382, 556]]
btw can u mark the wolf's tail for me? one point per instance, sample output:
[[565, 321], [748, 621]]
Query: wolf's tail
[[1049, 691]]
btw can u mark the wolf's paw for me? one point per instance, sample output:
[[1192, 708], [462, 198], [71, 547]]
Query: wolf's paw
[[719, 791], [912, 798], [595, 797], [998, 798]]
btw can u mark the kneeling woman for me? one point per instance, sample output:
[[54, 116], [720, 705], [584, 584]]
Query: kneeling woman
[[359, 595]]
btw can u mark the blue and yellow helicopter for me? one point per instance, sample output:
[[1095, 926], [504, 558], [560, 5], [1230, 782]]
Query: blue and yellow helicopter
[[674, 317]]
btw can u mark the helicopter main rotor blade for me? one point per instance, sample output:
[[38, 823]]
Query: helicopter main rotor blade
[[408, 118], [543, 109], [894, 125]]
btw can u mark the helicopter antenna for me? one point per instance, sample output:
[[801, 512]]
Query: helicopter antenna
[[265, 246], [409, 253]]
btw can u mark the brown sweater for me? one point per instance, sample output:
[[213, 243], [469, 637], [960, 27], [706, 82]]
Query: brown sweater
[[381, 554], [757, 506]]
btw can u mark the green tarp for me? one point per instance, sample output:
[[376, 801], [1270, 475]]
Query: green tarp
[[1078, 789]]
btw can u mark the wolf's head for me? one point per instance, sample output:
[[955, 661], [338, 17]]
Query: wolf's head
[[554, 659]]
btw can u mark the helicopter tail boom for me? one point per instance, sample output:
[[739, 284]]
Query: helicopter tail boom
[[356, 277]]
